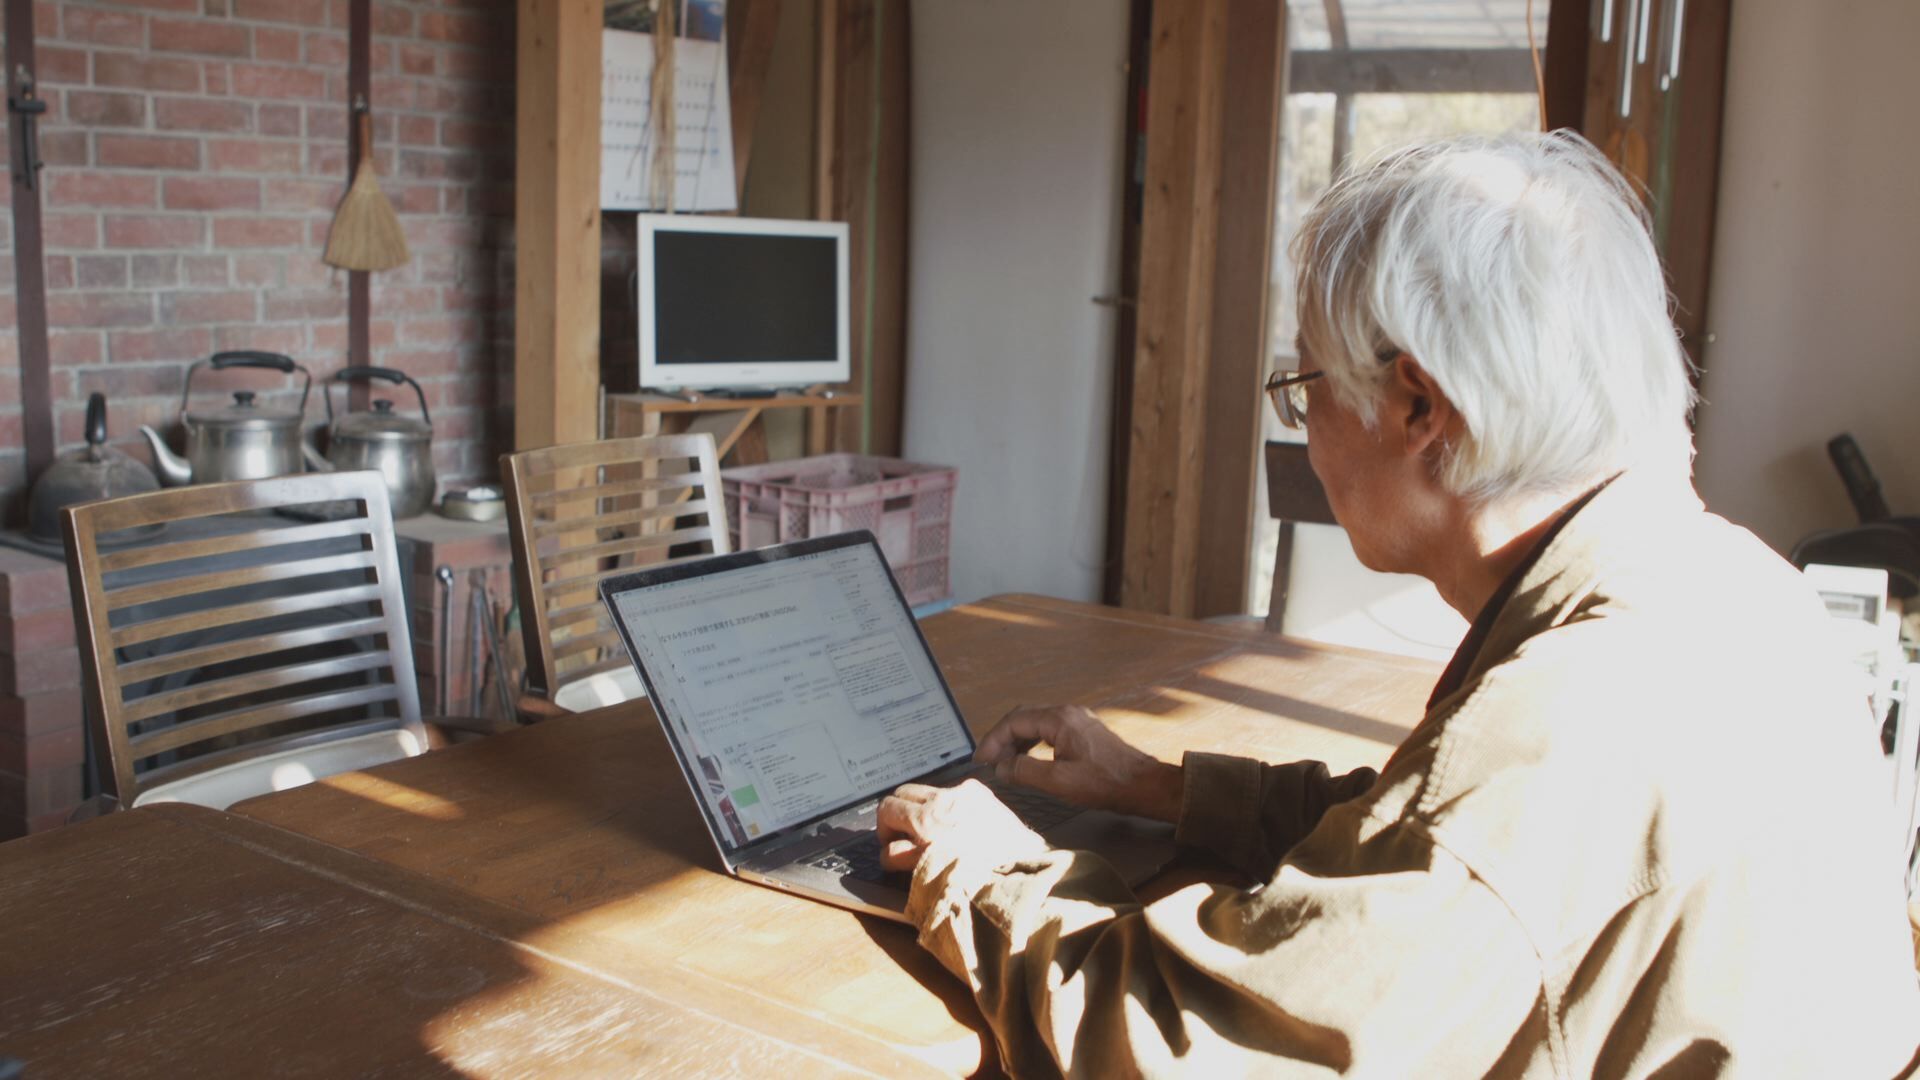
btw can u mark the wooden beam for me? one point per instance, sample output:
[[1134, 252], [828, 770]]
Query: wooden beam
[[751, 25], [1255, 72], [1412, 71], [1568, 23], [1120, 398], [1692, 153], [1159, 563], [556, 344]]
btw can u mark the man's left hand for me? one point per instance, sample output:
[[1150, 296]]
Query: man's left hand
[[967, 818]]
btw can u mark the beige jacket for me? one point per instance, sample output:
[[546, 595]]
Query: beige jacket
[[1648, 835]]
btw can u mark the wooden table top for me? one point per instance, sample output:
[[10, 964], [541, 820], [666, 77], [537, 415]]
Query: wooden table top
[[175, 940], [584, 826]]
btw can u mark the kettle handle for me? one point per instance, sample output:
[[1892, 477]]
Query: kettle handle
[[97, 419], [362, 371], [253, 358]]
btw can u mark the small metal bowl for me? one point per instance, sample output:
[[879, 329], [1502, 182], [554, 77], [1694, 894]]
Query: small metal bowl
[[485, 503]]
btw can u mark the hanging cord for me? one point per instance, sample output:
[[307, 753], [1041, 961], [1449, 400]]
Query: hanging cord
[[1539, 74]]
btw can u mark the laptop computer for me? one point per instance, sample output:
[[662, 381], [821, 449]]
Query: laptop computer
[[796, 691]]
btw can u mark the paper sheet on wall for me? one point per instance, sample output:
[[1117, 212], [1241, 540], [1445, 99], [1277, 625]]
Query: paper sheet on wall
[[703, 120]]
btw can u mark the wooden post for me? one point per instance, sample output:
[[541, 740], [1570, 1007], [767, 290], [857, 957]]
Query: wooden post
[[1256, 77], [556, 344], [1160, 553]]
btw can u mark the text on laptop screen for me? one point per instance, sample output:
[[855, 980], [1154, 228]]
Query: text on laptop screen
[[793, 687]]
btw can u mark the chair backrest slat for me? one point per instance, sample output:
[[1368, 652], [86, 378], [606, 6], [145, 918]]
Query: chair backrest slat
[[240, 638], [1294, 496], [581, 513], [238, 720]]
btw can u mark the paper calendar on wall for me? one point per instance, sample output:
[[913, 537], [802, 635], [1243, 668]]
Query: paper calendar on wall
[[702, 136]]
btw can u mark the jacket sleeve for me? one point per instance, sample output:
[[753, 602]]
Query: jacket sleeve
[[1250, 813], [1369, 949]]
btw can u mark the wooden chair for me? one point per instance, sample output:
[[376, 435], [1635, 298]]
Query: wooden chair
[[580, 513], [1294, 495], [237, 653]]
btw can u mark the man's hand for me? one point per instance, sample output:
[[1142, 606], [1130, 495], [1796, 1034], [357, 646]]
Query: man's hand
[[967, 816], [1091, 766]]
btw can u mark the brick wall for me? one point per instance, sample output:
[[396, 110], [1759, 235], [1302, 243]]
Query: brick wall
[[195, 152]]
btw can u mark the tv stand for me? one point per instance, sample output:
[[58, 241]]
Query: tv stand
[[733, 421]]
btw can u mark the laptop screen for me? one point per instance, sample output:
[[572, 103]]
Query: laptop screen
[[792, 681]]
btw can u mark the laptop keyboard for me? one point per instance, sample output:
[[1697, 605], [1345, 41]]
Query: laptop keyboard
[[859, 858]]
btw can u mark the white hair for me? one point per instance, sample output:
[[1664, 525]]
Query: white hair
[[1519, 272]]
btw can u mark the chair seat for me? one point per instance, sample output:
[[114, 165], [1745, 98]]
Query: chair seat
[[600, 690], [222, 787]]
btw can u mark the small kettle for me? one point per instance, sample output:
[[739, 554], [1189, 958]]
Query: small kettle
[[97, 472], [399, 447], [242, 441]]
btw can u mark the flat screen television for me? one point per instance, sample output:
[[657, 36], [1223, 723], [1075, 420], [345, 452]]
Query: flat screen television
[[729, 303]]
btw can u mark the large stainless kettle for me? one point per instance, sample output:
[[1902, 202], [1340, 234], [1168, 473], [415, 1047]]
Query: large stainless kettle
[[243, 441], [98, 472], [399, 447]]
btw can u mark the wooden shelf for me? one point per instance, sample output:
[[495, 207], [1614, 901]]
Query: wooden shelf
[[733, 422]]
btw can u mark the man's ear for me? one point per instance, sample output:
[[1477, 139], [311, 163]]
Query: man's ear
[[1424, 413]]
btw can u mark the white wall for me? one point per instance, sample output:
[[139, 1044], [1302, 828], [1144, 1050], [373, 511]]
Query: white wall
[[1015, 213], [1815, 303]]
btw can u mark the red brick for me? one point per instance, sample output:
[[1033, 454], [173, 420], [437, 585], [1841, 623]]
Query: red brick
[[216, 78], [59, 148], [103, 310], [412, 299], [381, 56], [392, 20], [262, 81], [73, 347], [201, 114], [288, 306], [454, 331], [96, 27], [121, 382], [102, 189], [288, 340], [101, 271], [146, 72], [307, 271], [171, 231], [321, 195], [30, 583], [57, 65], [211, 193], [257, 232], [257, 269], [60, 275], [209, 307], [70, 231], [147, 152], [36, 631], [167, 343], [396, 91], [157, 271], [253, 155], [277, 46], [417, 59], [24, 675], [279, 119], [106, 108], [460, 29], [306, 12], [419, 131], [43, 793], [204, 269], [206, 37], [326, 50], [414, 198]]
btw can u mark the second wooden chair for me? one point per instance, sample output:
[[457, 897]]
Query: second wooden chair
[[581, 513]]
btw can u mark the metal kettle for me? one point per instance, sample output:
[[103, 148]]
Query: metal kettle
[[399, 448], [97, 472], [242, 441]]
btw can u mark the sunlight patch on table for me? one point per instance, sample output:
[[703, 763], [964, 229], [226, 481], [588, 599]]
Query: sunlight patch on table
[[396, 796]]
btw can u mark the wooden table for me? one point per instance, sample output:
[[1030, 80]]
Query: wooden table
[[180, 941], [584, 828]]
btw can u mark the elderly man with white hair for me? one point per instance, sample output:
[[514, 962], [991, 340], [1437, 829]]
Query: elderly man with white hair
[[1640, 830]]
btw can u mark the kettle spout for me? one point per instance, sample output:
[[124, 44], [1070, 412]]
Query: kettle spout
[[174, 469], [316, 461]]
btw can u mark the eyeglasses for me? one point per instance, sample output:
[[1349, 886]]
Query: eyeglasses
[[1287, 390]]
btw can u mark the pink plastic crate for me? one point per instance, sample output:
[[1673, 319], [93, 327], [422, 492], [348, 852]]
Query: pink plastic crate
[[907, 506]]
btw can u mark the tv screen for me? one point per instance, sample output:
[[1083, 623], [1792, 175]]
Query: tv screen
[[733, 302]]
